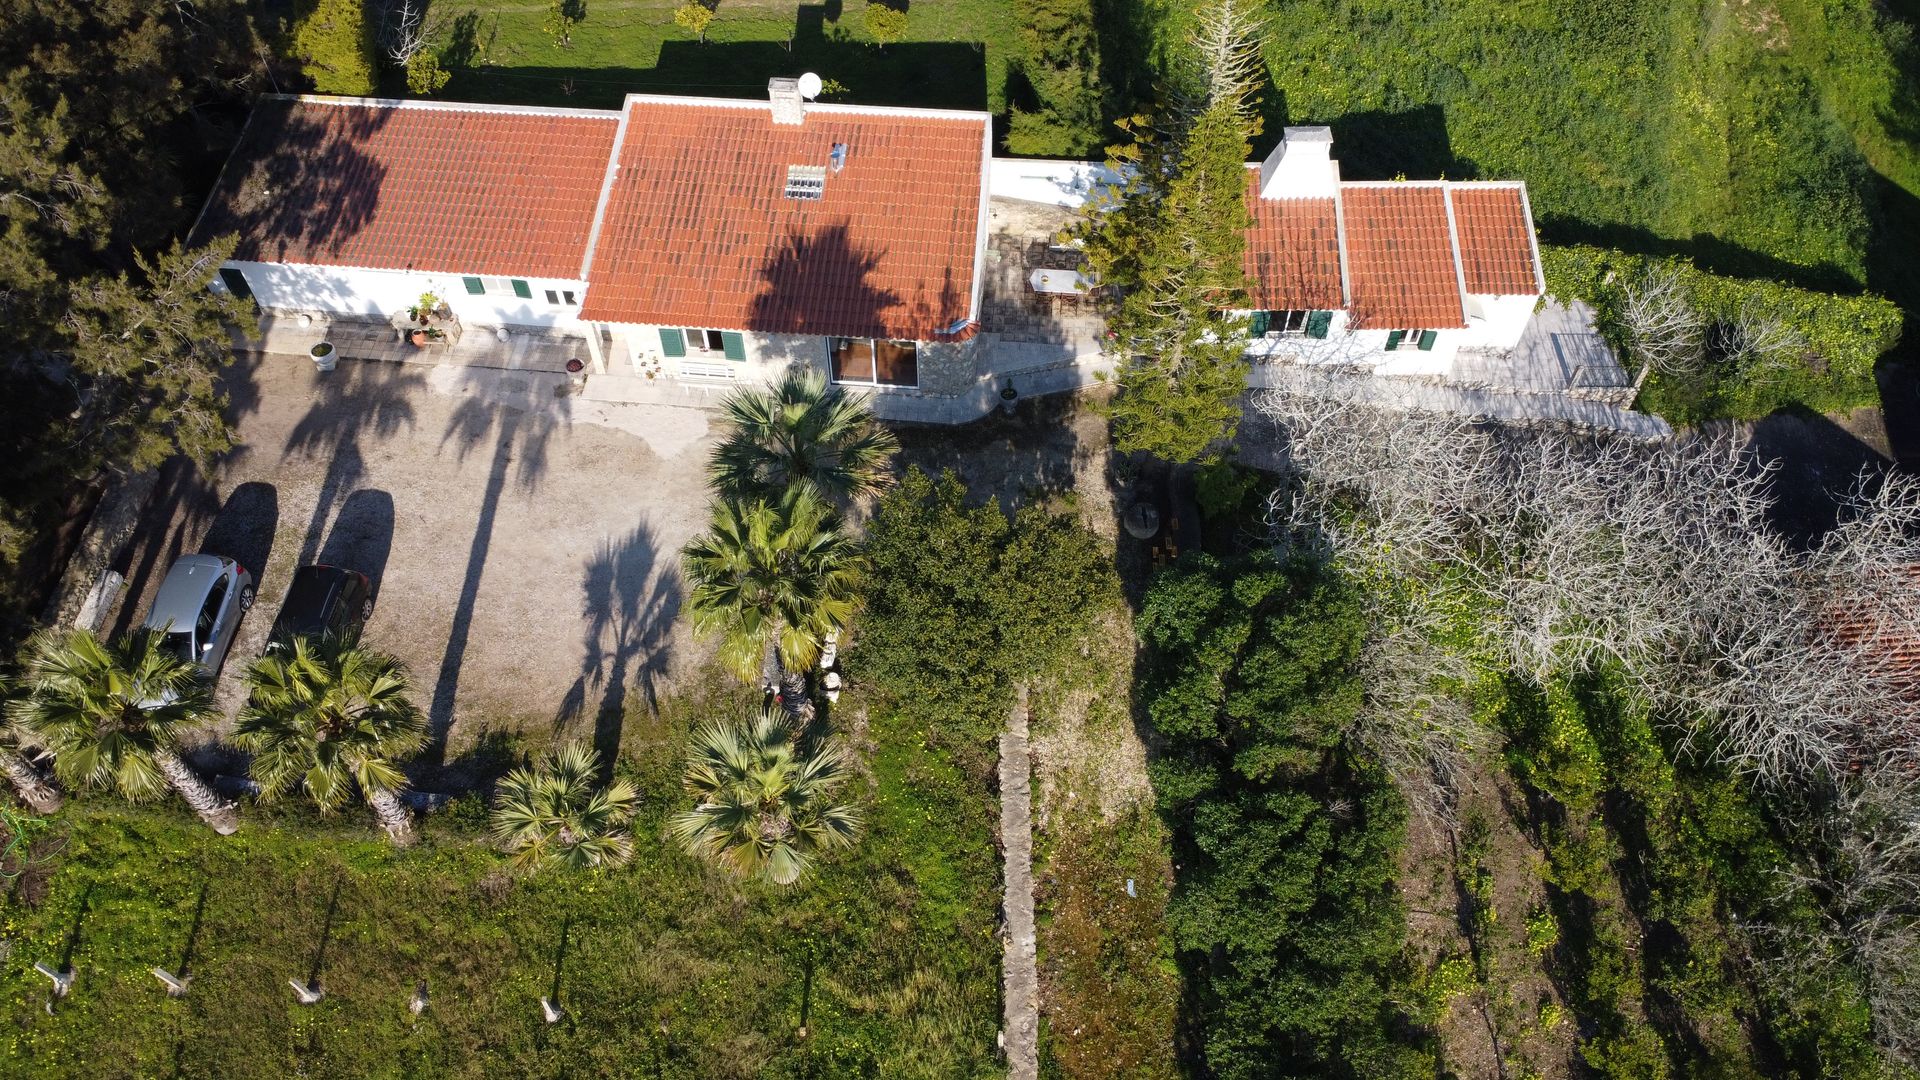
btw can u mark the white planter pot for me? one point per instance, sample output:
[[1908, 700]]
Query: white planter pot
[[324, 356]]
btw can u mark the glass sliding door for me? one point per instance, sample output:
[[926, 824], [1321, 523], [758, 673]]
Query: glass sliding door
[[853, 360]]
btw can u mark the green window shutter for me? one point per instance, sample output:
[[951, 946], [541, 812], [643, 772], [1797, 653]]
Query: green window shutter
[[1257, 324], [732, 345], [475, 287], [672, 342], [522, 290], [1427, 337], [1393, 339], [1318, 323]]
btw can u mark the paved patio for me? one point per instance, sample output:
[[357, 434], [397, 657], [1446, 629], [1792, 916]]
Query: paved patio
[[1559, 352]]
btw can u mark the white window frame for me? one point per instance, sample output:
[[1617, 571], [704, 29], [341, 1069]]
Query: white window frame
[[708, 342]]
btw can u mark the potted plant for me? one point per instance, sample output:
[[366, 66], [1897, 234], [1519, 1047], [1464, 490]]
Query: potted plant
[[1008, 395], [427, 308], [322, 355], [419, 338]]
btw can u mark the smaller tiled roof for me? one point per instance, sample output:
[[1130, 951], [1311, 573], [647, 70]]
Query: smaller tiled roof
[[425, 186], [697, 229], [1293, 251], [1400, 257], [1496, 238]]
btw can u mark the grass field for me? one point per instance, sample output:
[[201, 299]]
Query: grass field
[[664, 967], [955, 54]]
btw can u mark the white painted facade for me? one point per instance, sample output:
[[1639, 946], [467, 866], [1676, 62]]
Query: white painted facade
[[1493, 322], [379, 294], [943, 367]]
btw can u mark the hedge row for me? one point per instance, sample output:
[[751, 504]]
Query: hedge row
[[1844, 335]]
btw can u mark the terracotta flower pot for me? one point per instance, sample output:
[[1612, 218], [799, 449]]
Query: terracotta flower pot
[[419, 339]]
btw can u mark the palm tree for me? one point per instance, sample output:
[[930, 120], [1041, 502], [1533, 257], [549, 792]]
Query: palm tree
[[40, 794], [34, 789], [765, 798], [327, 716], [556, 813], [113, 715], [800, 434], [773, 579]]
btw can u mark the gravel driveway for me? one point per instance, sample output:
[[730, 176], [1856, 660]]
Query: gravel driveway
[[523, 542]]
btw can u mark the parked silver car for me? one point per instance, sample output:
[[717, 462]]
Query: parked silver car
[[199, 608]]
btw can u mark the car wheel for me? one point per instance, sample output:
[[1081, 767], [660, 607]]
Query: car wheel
[[246, 598], [366, 610]]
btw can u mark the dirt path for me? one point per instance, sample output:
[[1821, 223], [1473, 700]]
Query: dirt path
[[1018, 966]]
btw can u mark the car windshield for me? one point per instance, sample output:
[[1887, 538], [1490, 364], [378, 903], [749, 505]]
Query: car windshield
[[180, 644]]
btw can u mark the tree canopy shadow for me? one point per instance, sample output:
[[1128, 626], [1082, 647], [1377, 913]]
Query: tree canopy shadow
[[520, 431], [928, 74], [357, 402], [298, 177], [631, 597], [362, 535], [245, 527]]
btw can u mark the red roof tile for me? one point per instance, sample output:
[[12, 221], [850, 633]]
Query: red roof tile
[[450, 189], [697, 229], [1496, 238], [1293, 252], [1400, 258]]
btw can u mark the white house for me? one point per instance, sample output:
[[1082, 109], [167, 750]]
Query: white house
[[719, 239], [710, 238], [1395, 275]]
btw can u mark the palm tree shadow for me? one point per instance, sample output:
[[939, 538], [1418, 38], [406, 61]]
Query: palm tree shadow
[[518, 430], [358, 401], [631, 600]]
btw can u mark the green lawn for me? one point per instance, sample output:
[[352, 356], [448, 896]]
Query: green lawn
[[668, 969], [955, 54]]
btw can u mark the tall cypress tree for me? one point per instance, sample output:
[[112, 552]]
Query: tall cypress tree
[[1171, 247]]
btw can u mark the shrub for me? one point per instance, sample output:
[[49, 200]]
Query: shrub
[[964, 601], [335, 45], [885, 24]]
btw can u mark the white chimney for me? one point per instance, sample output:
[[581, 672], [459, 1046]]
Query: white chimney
[[1301, 167], [788, 107]]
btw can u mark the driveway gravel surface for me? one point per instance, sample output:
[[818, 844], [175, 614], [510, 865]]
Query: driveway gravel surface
[[523, 542]]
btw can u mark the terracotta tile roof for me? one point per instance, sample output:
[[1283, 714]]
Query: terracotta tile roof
[[1400, 258], [697, 229], [1496, 238], [475, 190], [1293, 251], [1881, 630]]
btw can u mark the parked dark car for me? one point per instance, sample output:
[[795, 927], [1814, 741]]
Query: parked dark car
[[322, 600]]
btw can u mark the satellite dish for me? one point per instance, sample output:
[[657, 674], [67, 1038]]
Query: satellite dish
[[810, 86]]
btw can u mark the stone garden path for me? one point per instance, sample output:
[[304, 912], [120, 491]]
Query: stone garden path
[[1019, 969]]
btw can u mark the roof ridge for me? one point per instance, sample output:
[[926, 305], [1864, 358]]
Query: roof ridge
[[1459, 265]]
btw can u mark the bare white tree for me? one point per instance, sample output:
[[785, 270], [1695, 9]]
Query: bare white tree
[[1542, 553], [1758, 341], [408, 28], [1574, 551], [1664, 331]]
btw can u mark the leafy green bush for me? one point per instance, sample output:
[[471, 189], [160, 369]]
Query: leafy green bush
[[1843, 335], [963, 601], [334, 42], [1285, 914]]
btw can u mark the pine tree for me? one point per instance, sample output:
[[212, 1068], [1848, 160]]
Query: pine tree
[[1171, 246]]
